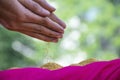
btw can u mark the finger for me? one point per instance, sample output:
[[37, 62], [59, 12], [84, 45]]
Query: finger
[[52, 25], [35, 7], [44, 4], [30, 17], [57, 20], [25, 16], [40, 29], [40, 36], [47, 22]]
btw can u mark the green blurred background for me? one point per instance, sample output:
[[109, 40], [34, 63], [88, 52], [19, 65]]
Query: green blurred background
[[93, 31]]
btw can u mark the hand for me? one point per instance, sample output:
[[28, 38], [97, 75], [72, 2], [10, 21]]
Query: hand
[[31, 17]]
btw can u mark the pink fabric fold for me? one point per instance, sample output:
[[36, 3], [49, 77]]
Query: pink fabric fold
[[104, 70]]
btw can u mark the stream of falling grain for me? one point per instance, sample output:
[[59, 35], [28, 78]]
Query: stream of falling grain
[[47, 52]]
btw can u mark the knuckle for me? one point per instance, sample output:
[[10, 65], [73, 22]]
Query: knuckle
[[40, 10], [45, 21], [35, 7]]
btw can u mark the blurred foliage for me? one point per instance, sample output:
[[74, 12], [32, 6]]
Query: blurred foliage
[[8, 56], [93, 29]]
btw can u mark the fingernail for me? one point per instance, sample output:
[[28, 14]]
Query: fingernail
[[63, 24], [53, 9], [45, 13]]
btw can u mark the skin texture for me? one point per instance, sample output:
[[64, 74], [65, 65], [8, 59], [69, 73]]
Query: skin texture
[[34, 18]]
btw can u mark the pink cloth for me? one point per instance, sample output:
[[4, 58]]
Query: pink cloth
[[105, 70]]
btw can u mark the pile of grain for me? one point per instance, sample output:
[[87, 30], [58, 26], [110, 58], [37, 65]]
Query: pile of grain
[[51, 66], [85, 62], [88, 61], [54, 66]]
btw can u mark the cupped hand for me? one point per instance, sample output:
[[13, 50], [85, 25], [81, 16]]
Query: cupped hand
[[31, 17]]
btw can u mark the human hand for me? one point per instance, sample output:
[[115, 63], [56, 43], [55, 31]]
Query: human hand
[[31, 17]]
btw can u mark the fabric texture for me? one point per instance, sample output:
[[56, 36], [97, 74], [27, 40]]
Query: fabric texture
[[104, 70]]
